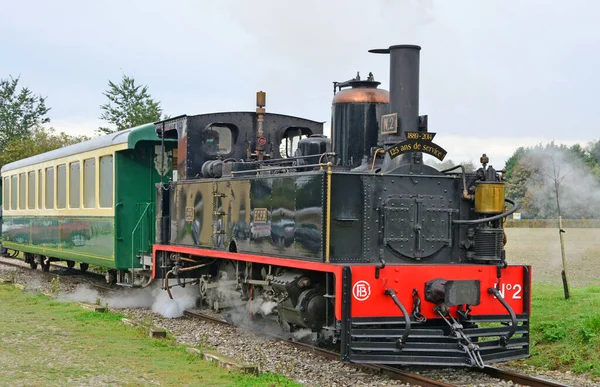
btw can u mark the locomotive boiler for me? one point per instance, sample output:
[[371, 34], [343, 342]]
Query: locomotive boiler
[[354, 238]]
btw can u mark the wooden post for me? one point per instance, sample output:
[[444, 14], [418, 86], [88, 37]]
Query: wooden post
[[563, 274], [561, 231]]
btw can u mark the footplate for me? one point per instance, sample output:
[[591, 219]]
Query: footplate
[[433, 343]]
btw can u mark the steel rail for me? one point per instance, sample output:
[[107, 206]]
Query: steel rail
[[391, 372], [19, 263], [394, 372], [522, 379]]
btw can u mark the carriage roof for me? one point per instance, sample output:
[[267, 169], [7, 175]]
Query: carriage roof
[[128, 136]]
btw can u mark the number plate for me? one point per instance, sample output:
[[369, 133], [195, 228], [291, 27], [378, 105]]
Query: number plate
[[462, 292]]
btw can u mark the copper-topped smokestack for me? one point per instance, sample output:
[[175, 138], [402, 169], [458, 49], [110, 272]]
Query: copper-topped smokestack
[[355, 112], [404, 96]]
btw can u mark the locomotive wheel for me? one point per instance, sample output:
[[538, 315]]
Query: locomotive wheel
[[83, 266], [45, 266], [70, 264], [33, 265]]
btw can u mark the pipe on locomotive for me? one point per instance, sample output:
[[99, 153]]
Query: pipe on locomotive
[[404, 97]]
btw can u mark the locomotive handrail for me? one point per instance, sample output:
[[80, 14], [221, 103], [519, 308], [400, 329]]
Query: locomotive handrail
[[269, 161], [392, 293], [321, 165], [464, 180], [515, 207]]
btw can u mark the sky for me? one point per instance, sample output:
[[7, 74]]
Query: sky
[[494, 75]]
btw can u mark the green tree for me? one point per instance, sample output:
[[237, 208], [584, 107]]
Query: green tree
[[128, 105], [593, 149], [513, 161], [20, 111], [39, 141]]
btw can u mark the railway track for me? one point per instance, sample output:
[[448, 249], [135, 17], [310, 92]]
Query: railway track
[[395, 372], [389, 371], [64, 271]]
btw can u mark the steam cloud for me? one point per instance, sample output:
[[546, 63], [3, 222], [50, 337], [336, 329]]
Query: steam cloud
[[154, 297], [257, 315], [579, 189]]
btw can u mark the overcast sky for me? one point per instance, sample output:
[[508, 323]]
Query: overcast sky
[[494, 74]]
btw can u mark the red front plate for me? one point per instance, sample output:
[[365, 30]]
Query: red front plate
[[369, 298]]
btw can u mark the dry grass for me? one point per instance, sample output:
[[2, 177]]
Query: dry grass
[[540, 247]]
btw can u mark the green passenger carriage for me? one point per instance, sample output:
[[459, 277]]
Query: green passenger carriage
[[91, 202]]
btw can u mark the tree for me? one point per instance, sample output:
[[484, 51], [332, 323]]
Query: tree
[[532, 182], [129, 105], [513, 161], [39, 141], [20, 111], [557, 178]]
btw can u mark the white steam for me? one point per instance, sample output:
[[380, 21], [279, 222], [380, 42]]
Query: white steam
[[153, 297], [301, 334], [183, 298]]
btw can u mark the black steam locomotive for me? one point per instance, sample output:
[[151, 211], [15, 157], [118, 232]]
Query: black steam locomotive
[[354, 238]]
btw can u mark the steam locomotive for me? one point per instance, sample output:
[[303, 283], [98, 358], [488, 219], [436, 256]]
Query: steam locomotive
[[356, 238], [353, 238]]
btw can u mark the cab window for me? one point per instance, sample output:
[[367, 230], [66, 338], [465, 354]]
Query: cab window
[[218, 139], [290, 139]]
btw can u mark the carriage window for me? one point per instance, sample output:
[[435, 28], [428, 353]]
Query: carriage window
[[22, 190], [6, 191], [61, 186], [50, 187], [218, 139], [31, 191], [89, 183], [106, 181], [74, 185], [40, 184], [290, 140], [13, 193]]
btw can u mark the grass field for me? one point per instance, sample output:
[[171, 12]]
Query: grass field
[[53, 343], [565, 333]]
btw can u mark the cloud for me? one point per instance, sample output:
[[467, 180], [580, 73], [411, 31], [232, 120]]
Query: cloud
[[493, 69]]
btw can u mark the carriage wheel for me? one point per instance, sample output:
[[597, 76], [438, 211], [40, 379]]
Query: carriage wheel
[[45, 266]]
